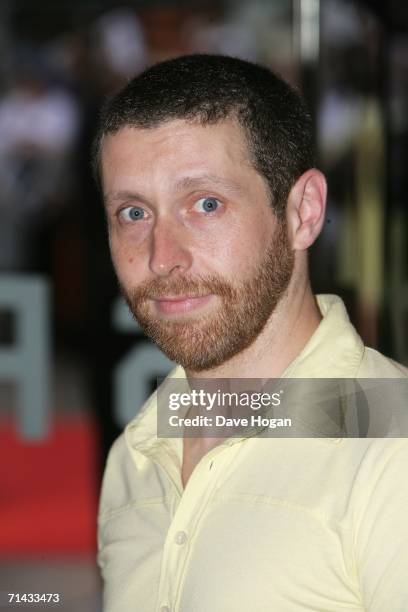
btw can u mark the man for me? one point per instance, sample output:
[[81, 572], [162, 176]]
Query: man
[[212, 200]]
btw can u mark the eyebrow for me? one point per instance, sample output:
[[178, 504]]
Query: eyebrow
[[112, 197], [190, 182], [187, 182]]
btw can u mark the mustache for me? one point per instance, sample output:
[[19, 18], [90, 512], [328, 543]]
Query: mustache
[[180, 286]]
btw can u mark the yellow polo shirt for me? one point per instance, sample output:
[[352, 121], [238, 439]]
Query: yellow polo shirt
[[264, 524]]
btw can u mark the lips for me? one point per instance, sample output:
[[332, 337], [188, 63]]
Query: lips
[[180, 304], [177, 298]]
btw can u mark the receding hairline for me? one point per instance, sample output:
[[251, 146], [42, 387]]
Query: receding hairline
[[232, 118], [207, 89]]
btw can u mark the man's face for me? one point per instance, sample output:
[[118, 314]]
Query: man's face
[[199, 254]]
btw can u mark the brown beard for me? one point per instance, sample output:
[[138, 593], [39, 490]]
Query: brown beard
[[208, 340]]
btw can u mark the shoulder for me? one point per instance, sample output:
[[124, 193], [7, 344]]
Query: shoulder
[[118, 471], [377, 365], [381, 526], [380, 485]]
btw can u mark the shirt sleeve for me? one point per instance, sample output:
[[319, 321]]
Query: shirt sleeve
[[113, 493]]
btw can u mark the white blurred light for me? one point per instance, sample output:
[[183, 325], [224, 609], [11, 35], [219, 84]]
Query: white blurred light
[[309, 30]]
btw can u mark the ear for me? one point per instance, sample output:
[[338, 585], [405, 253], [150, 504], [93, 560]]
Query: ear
[[306, 208]]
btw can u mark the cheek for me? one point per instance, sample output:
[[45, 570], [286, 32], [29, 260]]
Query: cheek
[[222, 258], [126, 261], [236, 251]]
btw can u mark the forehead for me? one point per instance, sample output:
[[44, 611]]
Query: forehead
[[175, 148]]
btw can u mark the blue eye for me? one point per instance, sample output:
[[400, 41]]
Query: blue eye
[[132, 213], [207, 205]]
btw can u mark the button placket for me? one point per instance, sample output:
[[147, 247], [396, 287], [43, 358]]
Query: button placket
[[180, 538], [191, 507]]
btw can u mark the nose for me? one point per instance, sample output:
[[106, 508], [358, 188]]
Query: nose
[[169, 253]]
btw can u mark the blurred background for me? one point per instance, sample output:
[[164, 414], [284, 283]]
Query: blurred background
[[74, 368]]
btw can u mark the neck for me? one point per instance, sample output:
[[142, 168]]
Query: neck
[[287, 331], [289, 328]]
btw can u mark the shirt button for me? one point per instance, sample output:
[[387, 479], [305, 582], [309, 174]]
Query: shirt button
[[180, 537]]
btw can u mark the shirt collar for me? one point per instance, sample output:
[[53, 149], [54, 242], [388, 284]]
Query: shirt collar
[[335, 350]]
